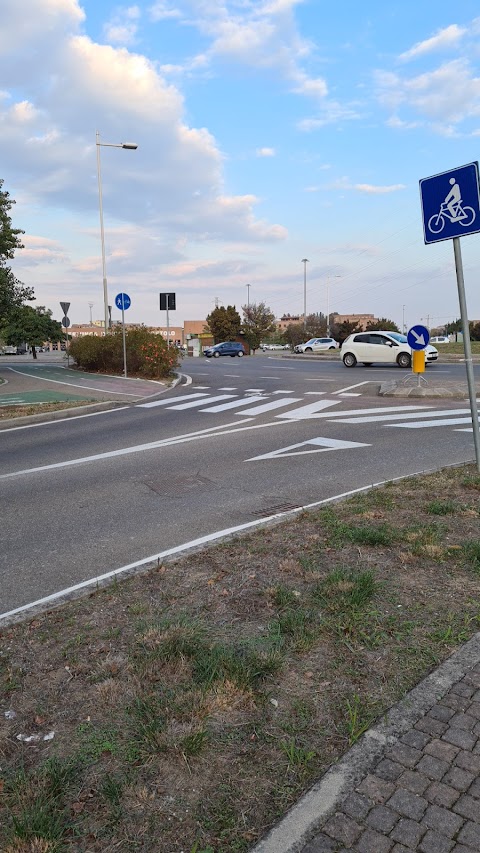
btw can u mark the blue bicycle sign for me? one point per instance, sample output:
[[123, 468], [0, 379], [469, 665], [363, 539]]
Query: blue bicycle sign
[[451, 204]]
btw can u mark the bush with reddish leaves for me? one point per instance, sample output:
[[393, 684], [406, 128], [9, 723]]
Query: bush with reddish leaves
[[147, 353]]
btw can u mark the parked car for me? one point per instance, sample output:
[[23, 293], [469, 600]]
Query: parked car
[[266, 347], [232, 348], [317, 345], [383, 347], [440, 339]]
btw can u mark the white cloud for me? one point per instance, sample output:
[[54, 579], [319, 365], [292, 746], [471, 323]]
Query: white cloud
[[449, 94], [265, 152], [378, 190], [162, 11], [123, 26], [446, 38]]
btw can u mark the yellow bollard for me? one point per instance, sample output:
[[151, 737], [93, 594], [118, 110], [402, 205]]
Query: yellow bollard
[[418, 361]]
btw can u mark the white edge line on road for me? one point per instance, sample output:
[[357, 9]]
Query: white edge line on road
[[72, 384], [62, 420], [209, 432], [194, 543]]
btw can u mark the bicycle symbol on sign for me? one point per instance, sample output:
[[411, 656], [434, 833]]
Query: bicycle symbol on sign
[[453, 210]]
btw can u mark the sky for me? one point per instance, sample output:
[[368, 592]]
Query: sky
[[268, 131]]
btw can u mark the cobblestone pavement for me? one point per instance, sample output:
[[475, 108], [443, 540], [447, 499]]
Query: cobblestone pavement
[[410, 783], [424, 793]]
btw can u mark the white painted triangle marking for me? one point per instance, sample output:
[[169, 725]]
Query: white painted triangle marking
[[320, 445]]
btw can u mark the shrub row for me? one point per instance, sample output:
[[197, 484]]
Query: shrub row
[[147, 353]]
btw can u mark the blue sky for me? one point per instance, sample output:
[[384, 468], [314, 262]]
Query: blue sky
[[268, 131]]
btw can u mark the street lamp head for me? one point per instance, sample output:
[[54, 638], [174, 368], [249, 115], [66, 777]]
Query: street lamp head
[[131, 146], [304, 260]]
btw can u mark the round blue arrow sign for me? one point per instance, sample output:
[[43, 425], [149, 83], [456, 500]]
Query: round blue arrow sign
[[418, 337], [122, 300]]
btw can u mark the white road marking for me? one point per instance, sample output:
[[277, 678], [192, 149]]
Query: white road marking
[[267, 407], [259, 390], [443, 422], [396, 417], [233, 404], [73, 385], [318, 379], [321, 445], [283, 391], [351, 387], [349, 394], [139, 448], [310, 411], [165, 401], [194, 403], [226, 389], [314, 393]]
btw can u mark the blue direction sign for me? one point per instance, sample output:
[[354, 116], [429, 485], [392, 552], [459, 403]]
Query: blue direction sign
[[122, 301], [451, 204], [418, 337]]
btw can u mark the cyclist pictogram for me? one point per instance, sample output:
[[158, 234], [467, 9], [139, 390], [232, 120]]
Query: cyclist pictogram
[[453, 210], [451, 204]]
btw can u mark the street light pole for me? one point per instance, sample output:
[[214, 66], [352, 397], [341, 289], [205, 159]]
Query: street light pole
[[304, 262], [130, 146], [248, 286]]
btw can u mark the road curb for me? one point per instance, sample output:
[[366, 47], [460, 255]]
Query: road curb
[[59, 414]]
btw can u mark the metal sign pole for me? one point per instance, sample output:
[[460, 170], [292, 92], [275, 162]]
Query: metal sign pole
[[168, 327], [124, 342], [468, 349]]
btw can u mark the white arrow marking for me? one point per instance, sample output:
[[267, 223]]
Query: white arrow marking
[[320, 445], [420, 338]]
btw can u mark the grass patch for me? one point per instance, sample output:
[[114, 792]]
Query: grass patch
[[193, 705]]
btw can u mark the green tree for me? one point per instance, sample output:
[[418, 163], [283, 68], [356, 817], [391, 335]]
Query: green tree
[[316, 326], [258, 322], [341, 331], [383, 323], [33, 326], [12, 292], [224, 323], [294, 334]]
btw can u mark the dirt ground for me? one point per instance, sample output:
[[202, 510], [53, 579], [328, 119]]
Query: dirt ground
[[186, 709]]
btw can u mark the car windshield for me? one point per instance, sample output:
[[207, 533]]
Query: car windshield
[[402, 339], [311, 341]]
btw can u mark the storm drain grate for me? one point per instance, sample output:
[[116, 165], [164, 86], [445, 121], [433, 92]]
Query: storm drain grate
[[273, 510]]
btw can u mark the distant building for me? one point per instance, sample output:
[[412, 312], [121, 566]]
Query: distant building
[[288, 320], [361, 320]]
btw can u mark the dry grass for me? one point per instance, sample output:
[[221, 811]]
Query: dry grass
[[7, 412], [193, 705]]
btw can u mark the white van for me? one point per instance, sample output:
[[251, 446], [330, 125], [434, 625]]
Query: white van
[[440, 339]]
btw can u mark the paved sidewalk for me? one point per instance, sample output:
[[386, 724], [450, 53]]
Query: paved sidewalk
[[412, 783]]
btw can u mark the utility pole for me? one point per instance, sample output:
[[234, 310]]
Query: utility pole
[[305, 262], [248, 286], [90, 305], [403, 319]]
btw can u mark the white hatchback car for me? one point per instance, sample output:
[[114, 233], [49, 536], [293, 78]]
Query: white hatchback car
[[383, 347], [317, 345]]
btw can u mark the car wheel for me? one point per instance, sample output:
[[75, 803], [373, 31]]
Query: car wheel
[[349, 359], [216, 355], [307, 349], [332, 348], [240, 353], [404, 360], [367, 363]]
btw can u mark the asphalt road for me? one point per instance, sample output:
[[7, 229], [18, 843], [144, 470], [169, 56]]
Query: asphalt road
[[246, 439]]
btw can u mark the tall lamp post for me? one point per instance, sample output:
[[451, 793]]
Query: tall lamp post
[[248, 286], [328, 302], [130, 146], [304, 262]]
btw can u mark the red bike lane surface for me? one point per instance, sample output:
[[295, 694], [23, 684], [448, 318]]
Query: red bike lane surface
[[90, 385]]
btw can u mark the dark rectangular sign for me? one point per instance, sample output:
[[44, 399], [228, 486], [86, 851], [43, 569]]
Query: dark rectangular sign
[[167, 300]]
